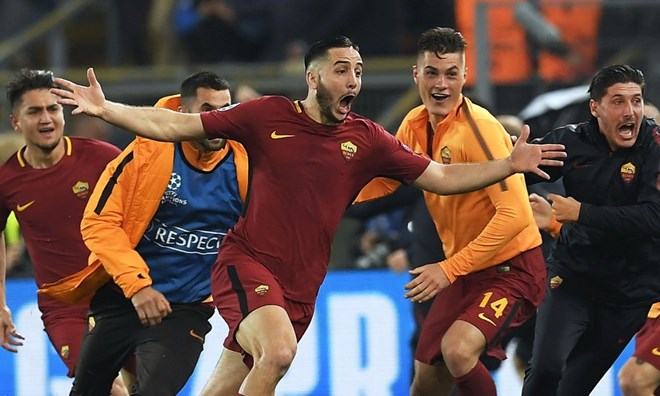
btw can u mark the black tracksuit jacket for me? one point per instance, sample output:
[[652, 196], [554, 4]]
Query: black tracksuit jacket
[[613, 251]]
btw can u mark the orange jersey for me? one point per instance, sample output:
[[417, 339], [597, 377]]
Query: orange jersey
[[479, 229]]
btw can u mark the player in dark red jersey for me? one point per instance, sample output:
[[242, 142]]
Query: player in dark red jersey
[[309, 159], [47, 184]]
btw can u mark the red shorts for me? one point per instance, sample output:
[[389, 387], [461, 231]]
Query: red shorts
[[494, 300], [647, 342], [66, 329], [240, 285]]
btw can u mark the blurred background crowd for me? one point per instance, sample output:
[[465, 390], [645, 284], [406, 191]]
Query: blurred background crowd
[[527, 61]]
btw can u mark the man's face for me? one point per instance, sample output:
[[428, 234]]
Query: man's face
[[40, 119], [440, 81], [208, 99], [619, 114], [338, 83]]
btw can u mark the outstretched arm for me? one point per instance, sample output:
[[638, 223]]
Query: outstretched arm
[[461, 178], [150, 122]]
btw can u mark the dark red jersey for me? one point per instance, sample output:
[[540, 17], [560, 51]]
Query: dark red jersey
[[49, 204], [303, 176]]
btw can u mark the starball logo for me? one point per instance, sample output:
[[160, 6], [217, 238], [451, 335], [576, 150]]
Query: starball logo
[[170, 196]]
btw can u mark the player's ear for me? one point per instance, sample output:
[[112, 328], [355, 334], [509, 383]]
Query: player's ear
[[312, 78], [14, 122], [593, 108]]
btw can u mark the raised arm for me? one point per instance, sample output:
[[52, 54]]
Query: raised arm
[[150, 122], [461, 178]]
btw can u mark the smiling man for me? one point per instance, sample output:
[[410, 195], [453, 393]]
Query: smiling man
[[492, 279], [603, 273]]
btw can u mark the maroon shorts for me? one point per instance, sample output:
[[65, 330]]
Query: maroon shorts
[[494, 300], [647, 342], [240, 285], [66, 329]]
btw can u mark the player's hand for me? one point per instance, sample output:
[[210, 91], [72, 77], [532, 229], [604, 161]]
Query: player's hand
[[565, 209], [9, 337], [398, 260], [542, 211], [527, 157], [88, 100], [430, 279], [151, 306]]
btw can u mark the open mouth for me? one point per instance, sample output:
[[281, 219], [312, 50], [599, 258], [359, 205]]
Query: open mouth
[[439, 97], [345, 103], [46, 130], [627, 130]]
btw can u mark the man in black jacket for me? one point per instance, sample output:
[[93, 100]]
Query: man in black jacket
[[604, 272]]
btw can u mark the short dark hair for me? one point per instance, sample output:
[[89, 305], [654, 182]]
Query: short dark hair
[[441, 40], [320, 48], [203, 79], [28, 80], [610, 75]]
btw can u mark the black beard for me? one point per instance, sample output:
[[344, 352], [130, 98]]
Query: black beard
[[325, 105], [49, 148]]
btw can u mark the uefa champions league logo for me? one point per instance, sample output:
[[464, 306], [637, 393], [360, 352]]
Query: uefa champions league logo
[[175, 182], [170, 195]]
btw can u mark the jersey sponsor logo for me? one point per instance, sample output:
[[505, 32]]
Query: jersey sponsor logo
[[483, 317], [445, 154], [628, 171], [65, 352], [261, 290], [20, 208], [655, 351], [556, 281], [179, 239], [275, 136], [195, 335], [81, 189], [348, 150]]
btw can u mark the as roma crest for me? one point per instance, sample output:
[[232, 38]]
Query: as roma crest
[[556, 281], [628, 172], [65, 351], [81, 189], [348, 150], [445, 154]]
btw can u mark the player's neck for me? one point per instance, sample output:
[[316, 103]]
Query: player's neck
[[312, 109], [41, 159]]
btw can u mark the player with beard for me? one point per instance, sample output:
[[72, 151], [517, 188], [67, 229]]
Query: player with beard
[[309, 159], [47, 184]]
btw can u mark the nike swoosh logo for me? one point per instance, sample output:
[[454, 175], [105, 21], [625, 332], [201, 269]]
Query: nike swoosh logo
[[21, 208], [655, 351], [274, 135], [483, 317], [195, 335]]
